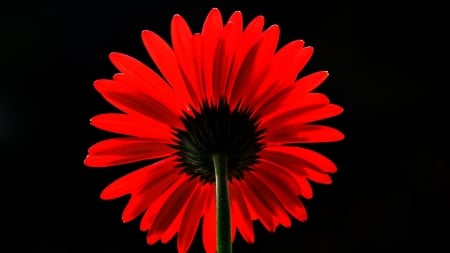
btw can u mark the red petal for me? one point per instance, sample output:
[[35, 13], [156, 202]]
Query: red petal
[[236, 19], [137, 75], [149, 217], [305, 187], [283, 187], [132, 101], [152, 187], [309, 83], [279, 88], [292, 96], [183, 49], [191, 219], [254, 29], [290, 156], [249, 37], [165, 60], [167, 221], [257, 57], [211, 32], [140, 179], [266, 83], [308, 102], [125, 150], [209, 224], [132, 125], [301, 187], [257, 205], [223, 58], [302, 134], [240, 213], [295, 66], [197, 46], [306, 115], [268, 199]]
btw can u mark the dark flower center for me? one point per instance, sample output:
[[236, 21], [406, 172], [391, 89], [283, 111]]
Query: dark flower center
[[216, 129]]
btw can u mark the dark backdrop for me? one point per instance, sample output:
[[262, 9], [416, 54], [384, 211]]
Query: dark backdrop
[[389, 70]]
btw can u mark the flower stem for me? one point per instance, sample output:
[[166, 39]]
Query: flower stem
[[222, 204]]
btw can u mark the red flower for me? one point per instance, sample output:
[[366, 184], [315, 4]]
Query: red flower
[[226, 89]]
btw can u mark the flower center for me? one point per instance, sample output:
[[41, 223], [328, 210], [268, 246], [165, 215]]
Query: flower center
[[214, 129]]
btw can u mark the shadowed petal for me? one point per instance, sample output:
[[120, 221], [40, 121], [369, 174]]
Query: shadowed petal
[[258, 206], [305, 115], [302, 134], [298, 155], [183, 49], [167, 221], [148, 191], [283, 187], [258, 56], [150, 214], [138, 180], [194, 211], [301, 185], [211, 33], [247, 40], [288, 97], [125, 150], [165, 60], [209, 222], [308, 102], [133, 125], [133, 101], [137, 75], [241, 214]]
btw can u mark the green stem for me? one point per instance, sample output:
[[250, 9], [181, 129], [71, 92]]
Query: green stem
[[222, 204]]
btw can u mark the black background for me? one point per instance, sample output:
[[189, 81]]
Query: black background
[[389, 70]]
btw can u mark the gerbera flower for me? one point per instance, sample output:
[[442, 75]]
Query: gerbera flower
[[225, 90]]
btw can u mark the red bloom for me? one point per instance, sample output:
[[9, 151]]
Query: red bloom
[[226, 89]]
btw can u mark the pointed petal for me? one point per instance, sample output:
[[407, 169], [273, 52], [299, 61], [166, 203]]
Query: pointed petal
[[191, 219], [132, 101], [211, 32], [288, 98], [298, 155], [137, 75], [209, 224], [252, 65], [197, 48], [284, 189], [223, 58], [133, 125], [295, 66], [267, 82], [257, 206], [306, 115], [247, 40], [241, 215], [165, 60], [183, 49], [152, 211], [309, 83], [169, 216], [137, 180], [125, 150], [268, 199], [154, 186], [302, 186], [305, 187], [308, 102], [302, 134], [236, 19]]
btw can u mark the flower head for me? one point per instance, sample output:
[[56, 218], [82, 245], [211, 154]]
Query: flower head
[[226, 90]]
